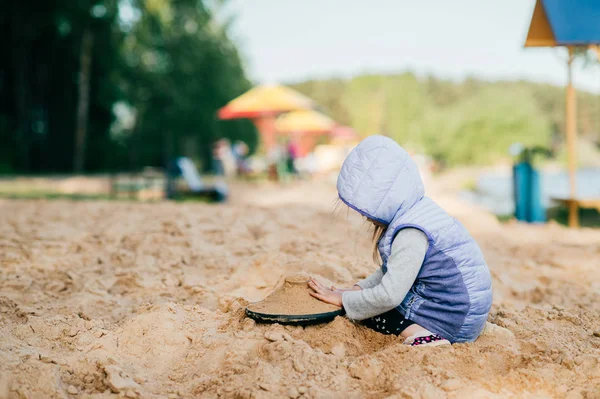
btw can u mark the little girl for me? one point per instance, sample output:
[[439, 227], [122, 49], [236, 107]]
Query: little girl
[[434, 286]]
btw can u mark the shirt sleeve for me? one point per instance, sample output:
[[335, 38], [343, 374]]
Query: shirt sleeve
[[371, 281], [408, 252]]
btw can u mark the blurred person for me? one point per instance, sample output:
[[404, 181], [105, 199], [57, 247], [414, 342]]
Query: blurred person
[[434, 286], [185, 168], [275, 157], [240, 151], [292, 155], [217, 155], [228, 158], [224, 163]]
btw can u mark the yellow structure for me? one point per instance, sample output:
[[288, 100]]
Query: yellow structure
[[304, 121], [265, 100], [262, 104], [540, 33]]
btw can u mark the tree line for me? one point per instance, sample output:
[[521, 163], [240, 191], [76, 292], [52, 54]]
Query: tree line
[[105, 85], [69, 68], [457, 123]]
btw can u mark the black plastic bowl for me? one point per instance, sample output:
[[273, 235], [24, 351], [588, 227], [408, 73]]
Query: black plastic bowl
[[305, 319]]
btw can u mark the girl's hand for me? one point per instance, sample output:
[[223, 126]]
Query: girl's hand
[[354, 288], [325, 294]]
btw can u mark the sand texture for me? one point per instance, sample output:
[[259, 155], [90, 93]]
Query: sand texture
[[292, 297], [110, 300]]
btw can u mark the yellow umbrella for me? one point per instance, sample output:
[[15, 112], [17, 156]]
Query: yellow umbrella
[[265, 100], [304, 126], [304, 121]]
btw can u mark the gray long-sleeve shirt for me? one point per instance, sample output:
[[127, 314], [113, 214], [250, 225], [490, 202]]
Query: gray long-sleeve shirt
[[382, 292]]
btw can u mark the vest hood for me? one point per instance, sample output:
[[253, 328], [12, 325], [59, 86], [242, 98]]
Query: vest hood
[[380, 180]]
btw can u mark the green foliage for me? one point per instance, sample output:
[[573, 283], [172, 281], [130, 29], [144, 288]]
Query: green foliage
[[471, 122], [480, 129], [181, 69], [39, 68], [172, 65]]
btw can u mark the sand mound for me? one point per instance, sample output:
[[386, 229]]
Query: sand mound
[[292, 298], [107, 300]]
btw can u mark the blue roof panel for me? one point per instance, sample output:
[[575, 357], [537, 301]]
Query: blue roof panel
[[574, 21]]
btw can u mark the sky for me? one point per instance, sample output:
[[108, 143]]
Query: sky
[[290, 40]]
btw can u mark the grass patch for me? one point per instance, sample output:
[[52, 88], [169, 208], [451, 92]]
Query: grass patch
[[587, 217], [505, 218], [36, 195]]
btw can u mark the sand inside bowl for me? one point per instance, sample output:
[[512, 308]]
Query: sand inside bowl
[[292, 298]]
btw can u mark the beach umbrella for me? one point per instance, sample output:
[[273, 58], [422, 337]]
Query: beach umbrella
[[304, 122], [262, 104], [570, 24], [265, 100], [304, 127]]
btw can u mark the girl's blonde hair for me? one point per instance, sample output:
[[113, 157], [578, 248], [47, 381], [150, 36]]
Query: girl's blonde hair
[[378, 232]]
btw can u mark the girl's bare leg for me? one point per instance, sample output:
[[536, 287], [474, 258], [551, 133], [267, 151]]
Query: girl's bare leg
[[414, 329]]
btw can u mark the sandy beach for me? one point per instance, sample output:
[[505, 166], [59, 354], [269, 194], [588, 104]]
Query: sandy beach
[[124, 299]]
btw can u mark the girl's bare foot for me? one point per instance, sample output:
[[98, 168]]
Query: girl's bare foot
[[496, 330]]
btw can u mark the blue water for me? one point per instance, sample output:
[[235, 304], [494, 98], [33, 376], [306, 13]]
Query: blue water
[[495, 192]]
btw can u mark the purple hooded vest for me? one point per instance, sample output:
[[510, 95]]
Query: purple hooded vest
[[452, 294]]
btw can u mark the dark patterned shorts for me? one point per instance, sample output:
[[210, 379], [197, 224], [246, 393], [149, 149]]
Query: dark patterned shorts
[[391, 322]]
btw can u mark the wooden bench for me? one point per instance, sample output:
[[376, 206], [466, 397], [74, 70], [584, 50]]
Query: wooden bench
[[574, 204], [144, 186]]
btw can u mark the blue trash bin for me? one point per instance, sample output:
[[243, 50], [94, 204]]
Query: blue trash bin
[[521, 175], [537, 213], [527, 194]]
